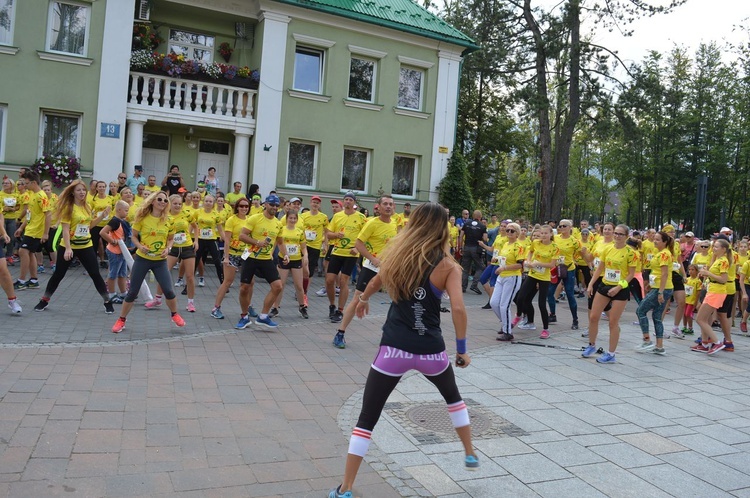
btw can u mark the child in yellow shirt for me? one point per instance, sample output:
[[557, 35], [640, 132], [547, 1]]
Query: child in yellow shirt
[[693, 287]]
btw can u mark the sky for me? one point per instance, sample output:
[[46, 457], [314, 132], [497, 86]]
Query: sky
[[688, 25]]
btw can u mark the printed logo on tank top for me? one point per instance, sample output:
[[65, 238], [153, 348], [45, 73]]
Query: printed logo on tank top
[[419, 325]]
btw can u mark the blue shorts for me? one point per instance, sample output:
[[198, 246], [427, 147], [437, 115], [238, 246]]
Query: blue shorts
[[118, 268], [488, 275]]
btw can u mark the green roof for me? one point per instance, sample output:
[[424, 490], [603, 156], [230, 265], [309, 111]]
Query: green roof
[[402, 15]]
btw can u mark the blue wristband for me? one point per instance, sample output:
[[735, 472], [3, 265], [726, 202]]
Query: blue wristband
[[461, 346]]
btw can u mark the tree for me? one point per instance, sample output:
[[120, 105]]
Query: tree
[[454, 191]]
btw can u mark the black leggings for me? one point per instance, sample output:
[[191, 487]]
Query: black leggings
[[526, 297], [379, 386], [586, 272], [95, 238], [206, 247], [87, 257]]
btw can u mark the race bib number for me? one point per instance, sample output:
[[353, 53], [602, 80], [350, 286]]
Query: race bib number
[[311, 234], [81, 231], [561, 260], [292, 249], [612, 275], [649, 257], [245, 254], [689, 290], [366, 263], [501, 261], [539, 269], [495, 255], [180, 238], [596, 262], [652, 280], [675, 266], [207, 233], [10, 201], [28, 215]]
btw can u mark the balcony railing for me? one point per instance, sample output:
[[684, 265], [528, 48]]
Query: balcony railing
[[189, 98]]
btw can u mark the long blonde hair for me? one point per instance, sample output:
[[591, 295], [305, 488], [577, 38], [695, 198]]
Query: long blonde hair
[[410, 255], [147, 207], [67, 199]]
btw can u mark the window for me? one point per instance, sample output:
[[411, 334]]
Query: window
[[192, 45], [308, 70], [68, 27], [6, 22], [404, 172], [354, 175], [302, 162], [60, 134], [152, 141], [410, 88], [3, 115], [362, 79]]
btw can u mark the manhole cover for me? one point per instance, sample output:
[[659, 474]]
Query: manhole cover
[[436, 418]]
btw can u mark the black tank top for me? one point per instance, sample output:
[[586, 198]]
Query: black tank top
[[414, 325]]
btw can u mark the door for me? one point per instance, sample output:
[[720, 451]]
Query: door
[[214, 154], [155, 156]]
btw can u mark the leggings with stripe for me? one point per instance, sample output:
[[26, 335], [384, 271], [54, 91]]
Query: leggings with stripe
[[526, 297], [206, 247], [502, 298]]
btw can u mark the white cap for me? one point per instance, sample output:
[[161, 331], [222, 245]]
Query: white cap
[[725, 229]]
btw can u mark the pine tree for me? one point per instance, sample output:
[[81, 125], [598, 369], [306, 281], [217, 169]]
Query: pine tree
[[455, 193]]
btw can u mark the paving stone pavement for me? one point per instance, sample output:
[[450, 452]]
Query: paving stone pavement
[[211, 411]]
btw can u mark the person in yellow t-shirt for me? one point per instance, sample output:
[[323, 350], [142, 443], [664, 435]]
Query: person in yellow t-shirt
[[570, 249], [99, 202], [717, 276], [745, 290], [54, 222], [616, 268], [314, 223], [10, 201], [659, 290], [370, 243], [234, 248], [262, 233], [293, 237], [508, 265], [540, 259], [236, 194], [493, 223], [692, 294], [209, 226], [151, 187], [255, 205], [453, 230], [35, 230], [153, 236]]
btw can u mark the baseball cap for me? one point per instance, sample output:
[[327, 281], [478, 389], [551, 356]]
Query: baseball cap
[[315, 198], [256, 196], [725, 229], [668, 228], [273, 199], [689, 234], [139, 167], [295, 199], [182, 190], [336, 201], [351, 196]]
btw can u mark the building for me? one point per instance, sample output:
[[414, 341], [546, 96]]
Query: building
[[354, 95]]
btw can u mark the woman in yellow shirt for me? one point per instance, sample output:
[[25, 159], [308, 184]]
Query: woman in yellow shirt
[[509, 264], [296, 247], [153, 236], [234, 248], [616, 269], [542, 257], [209, 227], [99, 203], [11, 208], [659, 290], [717, 276], [54, 222]]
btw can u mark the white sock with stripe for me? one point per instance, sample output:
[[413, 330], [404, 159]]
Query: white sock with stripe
[[359, 442], [459, 414]]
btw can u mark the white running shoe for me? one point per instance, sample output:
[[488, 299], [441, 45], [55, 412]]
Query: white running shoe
[[527, 326], [15, 307], [201, 282], [321, 292]]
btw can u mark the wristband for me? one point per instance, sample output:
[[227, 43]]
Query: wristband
[[623, 283], [461, 346], [362, 300]]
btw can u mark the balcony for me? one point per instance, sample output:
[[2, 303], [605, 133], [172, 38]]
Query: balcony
[[158, 97]]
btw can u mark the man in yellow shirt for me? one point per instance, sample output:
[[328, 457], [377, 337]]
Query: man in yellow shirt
[[35, 230], [152, 186], [370, 243], [233, 197], [314, 224]]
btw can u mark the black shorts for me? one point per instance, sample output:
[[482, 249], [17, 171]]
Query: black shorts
[[623, 295], [313, 255], [31, 244], [264, 268], [187, 252], [328, 252], [341, 264], [292, 265], [727, 306], [365, 275], [678, 282]]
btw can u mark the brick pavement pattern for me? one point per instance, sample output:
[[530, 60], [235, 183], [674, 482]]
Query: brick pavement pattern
[[210, 411]]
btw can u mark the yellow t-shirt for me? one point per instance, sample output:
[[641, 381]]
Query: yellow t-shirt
[[617, 263], [207, 223], [662, 258], [350, 225], [261, 228], [153, 189], [700, 260], [235, 226], [648, 250], [569, 248], [732, 275], [741, 260], [376, 234], [99, 204], [255, 210], [38, 207], [232, 198], [542, 253], [80, 227], [314, 227], [745, 270], [721, 265], [11, 205], [183, 230], [492, 225], [454, 235], [692, 290], [293, 240], [138, 200], [510, 253], [598, 251], [153, 233], [53, 210]]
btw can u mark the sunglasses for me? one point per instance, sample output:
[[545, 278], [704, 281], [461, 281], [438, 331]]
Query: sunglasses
[[272, 204], [122, 177], [510, 230], [705, 247], [621, 234], [161, 199], [563, 226], [246, 206]]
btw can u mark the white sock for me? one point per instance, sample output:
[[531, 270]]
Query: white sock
[[359, 442]]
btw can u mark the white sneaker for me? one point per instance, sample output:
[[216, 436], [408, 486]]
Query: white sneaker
[[585, 332], [14, 306], [180, 282], [523, 321], [605, 317], [645, 347], [321, 292], [527, 326], [677, 333], [201, 282], [338, 290]]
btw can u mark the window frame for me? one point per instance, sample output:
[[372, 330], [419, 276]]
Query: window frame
[[415, 177], [423, 73], [316, 157], [12, 18], [366, 175], [192, 46], [50, 23], [321, 68], [373, 87], [59, 114], [3, 130]]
